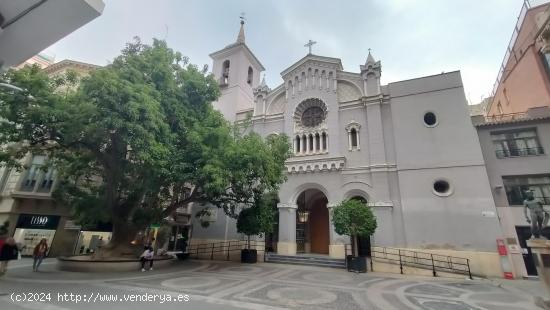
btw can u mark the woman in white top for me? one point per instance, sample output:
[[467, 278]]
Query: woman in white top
[[147, 256]]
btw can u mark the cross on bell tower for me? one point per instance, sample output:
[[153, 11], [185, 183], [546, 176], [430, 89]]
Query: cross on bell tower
[[309, 44]]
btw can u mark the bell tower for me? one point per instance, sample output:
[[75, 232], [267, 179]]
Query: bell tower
[[371, 72], [237, 71]]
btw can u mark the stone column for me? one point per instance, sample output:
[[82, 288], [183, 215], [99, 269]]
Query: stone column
[[541, 256], [336, 247], [287, 229]]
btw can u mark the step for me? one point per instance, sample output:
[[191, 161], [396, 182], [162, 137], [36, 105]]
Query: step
[[306, 260], [305, 263]]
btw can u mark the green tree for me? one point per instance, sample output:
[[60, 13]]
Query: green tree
[[259, 218], [355, 219], [136, 140]]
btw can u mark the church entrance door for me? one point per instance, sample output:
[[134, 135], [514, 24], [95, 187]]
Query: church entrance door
[[312, 230]]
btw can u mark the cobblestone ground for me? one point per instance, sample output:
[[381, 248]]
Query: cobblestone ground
[[224, 285]]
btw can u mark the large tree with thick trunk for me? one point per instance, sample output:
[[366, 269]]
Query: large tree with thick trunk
[[136, 140]]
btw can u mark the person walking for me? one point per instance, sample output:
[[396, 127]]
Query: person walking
[[39, 253], [9, 251], [147, 256]]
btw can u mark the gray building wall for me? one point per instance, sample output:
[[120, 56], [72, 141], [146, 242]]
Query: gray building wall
[[497, 168]]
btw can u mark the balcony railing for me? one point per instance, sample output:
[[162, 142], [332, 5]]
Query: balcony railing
[[506, 117], [517, 202], [533, 151]]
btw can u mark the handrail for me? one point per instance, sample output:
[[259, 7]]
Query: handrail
[[226, 247], [418, 259]]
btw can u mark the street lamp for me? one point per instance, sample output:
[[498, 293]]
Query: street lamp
[[303, 216], [15, 88]]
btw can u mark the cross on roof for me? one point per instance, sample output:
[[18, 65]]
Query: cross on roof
[[309, 44]]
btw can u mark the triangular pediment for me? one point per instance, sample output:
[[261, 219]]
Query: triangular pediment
[[334, 63]]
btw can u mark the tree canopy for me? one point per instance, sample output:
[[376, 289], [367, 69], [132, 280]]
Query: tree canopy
[[355, 219], [258, 219], [136, 139]]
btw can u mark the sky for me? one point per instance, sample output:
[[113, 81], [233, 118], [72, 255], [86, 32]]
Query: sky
[[411, 38]]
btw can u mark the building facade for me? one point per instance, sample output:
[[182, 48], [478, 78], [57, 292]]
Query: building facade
[[408, 148], [26, 196], [523, 80], [515, 152]]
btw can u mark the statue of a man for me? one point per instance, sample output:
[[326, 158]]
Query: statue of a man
[[537, 214]]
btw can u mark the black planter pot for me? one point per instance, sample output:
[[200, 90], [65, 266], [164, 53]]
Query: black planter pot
[[249, 256], [182, 256], [356, 264]]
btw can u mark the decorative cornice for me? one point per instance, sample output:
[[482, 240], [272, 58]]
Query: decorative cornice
[[353, 124], [379, 204], [315, 165], [282, 205], [316, 58]]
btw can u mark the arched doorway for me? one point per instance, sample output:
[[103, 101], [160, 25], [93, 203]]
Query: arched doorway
[[312, 223]]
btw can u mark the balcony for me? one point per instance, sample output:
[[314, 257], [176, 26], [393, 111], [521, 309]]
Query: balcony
[[35, 188], [506, 117], [223, 81], [534, 151]]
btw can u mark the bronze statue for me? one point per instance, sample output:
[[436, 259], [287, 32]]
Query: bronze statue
[[538, 217]]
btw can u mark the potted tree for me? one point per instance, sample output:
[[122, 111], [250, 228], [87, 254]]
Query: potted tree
[[256, 220], [355, 219]]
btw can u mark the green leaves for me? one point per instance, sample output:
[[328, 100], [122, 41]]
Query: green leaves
[[258, 219], [353, 218], [137, 139]]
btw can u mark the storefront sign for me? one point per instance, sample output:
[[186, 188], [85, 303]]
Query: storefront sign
[[37, 221]]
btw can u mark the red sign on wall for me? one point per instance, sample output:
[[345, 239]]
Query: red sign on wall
[[501, 247]]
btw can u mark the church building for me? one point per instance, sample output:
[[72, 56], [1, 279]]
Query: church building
[[407, 148]]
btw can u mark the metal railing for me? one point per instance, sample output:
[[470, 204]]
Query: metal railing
[[202, 250], [519, 201], [506, 117], [519, 152], [424, 260]]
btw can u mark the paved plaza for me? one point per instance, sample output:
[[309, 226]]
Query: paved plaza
[[226, 285]]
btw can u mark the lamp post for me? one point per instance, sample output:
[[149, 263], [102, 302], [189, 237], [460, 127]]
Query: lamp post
[[303, 216], [15, 88]]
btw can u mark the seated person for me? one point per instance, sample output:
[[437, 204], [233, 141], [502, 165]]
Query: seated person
[[147, 256]]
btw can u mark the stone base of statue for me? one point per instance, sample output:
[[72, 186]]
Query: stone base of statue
[[541, 256]]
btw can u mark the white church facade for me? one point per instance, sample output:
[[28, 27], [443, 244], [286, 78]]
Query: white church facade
[[408, 148]]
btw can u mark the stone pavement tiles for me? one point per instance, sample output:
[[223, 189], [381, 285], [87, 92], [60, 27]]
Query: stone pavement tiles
[[274, 286]]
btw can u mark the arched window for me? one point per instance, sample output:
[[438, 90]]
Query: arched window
[[353, 134], [359, 198], [297, 144], [317, 142], [324, 141], [225, 72], [250, 76]]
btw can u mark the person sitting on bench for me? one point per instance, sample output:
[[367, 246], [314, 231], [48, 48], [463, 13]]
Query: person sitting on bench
[[147, 256]]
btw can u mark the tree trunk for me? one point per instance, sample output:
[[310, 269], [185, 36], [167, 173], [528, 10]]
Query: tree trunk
[[248, 245], [120, 244], [356, 246]]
